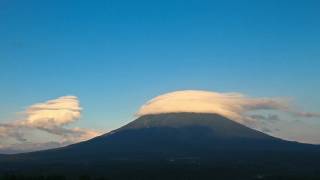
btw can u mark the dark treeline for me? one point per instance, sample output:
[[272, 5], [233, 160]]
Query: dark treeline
[[153, 172], [153, 177], [244, 167]]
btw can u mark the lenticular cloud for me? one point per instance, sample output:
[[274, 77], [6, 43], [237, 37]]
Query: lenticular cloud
[[235, 106]]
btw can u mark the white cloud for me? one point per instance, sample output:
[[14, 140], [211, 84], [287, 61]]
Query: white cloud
[[50, 117], [234, 106]]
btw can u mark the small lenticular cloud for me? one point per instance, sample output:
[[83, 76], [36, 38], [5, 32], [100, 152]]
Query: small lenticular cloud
[[50, 117], [57, 112]]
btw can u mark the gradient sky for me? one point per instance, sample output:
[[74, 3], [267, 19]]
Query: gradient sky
[[116, 55]]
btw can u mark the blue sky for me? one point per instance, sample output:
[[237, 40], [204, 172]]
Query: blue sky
[[115, 55]]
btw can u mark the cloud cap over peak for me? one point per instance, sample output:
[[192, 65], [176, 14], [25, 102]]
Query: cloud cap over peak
[[235, 106]]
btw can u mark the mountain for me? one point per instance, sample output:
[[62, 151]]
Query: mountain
[[186, 142], [184, 132]]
